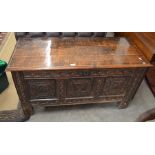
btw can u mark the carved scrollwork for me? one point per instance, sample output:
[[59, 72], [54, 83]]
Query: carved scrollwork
[[76, 73]]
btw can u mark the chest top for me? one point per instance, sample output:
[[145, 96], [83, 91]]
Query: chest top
[[75, 53]]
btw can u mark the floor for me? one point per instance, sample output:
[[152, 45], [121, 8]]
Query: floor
[[142, 101], [9, 98]]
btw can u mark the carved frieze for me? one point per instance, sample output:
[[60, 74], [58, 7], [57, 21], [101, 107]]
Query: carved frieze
[[77, 73]]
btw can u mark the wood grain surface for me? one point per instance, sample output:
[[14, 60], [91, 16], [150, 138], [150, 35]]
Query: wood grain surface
[[75, 53], [145, 41], [70, 71]]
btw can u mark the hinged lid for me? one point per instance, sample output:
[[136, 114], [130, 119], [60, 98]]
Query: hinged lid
[[75, 53]]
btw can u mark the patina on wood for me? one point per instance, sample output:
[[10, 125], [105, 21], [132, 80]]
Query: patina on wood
[[145, 41], [65, 71]]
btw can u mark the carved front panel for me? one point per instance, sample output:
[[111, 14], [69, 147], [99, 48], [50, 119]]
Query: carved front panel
[[79, 87], [42, 89], [108, 86], [116, 85]]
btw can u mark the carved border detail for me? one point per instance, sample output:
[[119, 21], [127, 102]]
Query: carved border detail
[[136, 75], [76, 73], [137, 78], [20, 87]]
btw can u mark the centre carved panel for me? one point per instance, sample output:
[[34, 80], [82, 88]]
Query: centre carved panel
[[79, 87]]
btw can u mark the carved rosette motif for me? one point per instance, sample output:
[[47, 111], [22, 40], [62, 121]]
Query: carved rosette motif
[[42, 89], [116, 85], [79, 87]]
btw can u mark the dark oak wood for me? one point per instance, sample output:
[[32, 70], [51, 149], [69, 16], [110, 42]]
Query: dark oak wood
[[64, 53], [56, 72], [145, 41]]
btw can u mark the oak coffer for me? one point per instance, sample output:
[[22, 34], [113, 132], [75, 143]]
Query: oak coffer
[[69, 71]]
